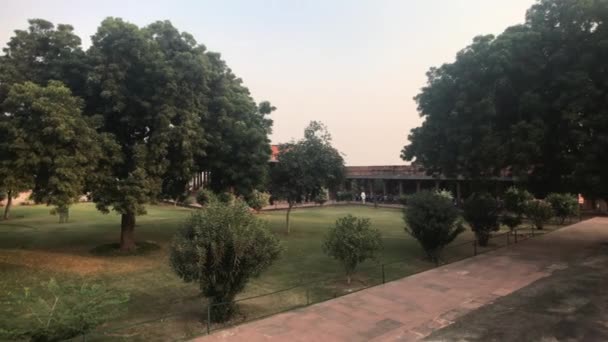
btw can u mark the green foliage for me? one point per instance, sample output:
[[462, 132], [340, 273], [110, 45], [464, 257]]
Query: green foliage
[[511, 221], [2, 195], [305, 167], [60, 145], [222, 247], [203, 196], [445, 193], [56, 311], [516, 199], [258, 200], [564, 205], [352, 241], [344, 196], [189, 200], [225, 197], [539, 212], [321, 197], [433, 220], [530, 100], [481, 211]]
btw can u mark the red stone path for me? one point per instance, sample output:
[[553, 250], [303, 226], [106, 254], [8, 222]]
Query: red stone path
[[411, 308]]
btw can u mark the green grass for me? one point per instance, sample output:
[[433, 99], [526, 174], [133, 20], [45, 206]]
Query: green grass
[[35, 247]]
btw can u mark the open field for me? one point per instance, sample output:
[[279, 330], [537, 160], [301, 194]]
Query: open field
[[34, 247]]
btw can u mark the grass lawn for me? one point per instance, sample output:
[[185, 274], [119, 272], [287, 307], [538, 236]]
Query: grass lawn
[[34, 247]]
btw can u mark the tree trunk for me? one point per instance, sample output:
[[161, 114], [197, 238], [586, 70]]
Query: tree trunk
[[348, 279], [127, 232], [287, 217], [9, 201]]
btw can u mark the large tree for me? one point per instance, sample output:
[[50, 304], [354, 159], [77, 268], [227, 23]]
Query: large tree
[[529, 100], [39, 54], [50, 143], [306, 167], [148, 86]]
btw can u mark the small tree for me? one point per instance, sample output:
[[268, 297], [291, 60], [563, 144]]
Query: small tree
[[481, 212], [305, 167], [221, 247], [539, 212], [352, 241], [433, 221], [514, 205], [258, 200], [564, 205], [56, 311]]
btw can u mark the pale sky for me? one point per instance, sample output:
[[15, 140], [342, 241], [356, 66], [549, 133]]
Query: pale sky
[[353, 64]]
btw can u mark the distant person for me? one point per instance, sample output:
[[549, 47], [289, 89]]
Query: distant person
[[363, 197]]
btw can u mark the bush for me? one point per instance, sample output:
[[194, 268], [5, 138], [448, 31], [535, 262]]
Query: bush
[[189, 201], [221, 247], [2, 195], [539, 212], [321, 197], [511, 220], [226, 197], [515, 200], [258, 200], [203, 196], [563, 205], [403, 199], [481, 212], [56, 312], [343, 196], [352, 241], [433, 221]]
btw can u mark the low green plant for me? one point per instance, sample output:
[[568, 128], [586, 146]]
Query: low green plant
[[515, 200], [539, 212], [563, 205], [344, 196], [54, 311], [433, 221], [321, 197], [258, 200], [203, 196], [511, 220], [221, 247], [481, 212], [352, 240], [225, 197]]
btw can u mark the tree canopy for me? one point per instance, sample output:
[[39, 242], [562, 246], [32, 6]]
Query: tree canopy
[[530, 100], [306, 167], [158, 105]]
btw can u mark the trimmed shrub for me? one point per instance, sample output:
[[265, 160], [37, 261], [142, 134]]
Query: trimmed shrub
[[321, 197], [539, 212], [221, 247], [352, 241], [56, 311], [258, 200], [343, 196], [203, 196], [511, 220], [481, 213], [515, 200], [563, 205], [226, 197], [433, 221]]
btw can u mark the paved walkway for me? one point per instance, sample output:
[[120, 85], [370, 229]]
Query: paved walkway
[[413, 307]]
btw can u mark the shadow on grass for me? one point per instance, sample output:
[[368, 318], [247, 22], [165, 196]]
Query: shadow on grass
[[113, 249]]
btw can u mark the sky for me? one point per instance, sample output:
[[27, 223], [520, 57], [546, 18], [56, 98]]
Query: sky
[[354, 65]]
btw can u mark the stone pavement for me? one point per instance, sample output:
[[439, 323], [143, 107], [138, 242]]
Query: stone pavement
[[412, 308]]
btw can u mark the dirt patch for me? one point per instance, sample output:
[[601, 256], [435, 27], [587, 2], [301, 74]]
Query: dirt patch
[[73, 263]]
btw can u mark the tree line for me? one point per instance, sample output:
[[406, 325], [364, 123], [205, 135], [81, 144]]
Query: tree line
[[128, 120], [531, 101]]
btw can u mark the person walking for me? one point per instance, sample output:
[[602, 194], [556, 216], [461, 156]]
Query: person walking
[[363, 197]]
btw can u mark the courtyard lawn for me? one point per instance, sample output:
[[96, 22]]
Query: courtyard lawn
[[35, 247]]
